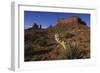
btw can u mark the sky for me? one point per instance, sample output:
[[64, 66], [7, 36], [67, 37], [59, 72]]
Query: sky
[[49, 18]]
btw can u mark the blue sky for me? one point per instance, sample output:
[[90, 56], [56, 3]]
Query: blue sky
[[49, 18]]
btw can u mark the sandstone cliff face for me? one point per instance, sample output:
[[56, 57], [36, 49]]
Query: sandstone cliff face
[[40, 44], [71, 20]]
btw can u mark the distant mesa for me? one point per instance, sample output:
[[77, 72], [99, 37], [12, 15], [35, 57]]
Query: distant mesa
[[70, 20]]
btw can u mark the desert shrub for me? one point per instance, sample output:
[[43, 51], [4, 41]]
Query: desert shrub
[[69, 35], [42, 41], [28, 49], [30, 36], [72, 51]]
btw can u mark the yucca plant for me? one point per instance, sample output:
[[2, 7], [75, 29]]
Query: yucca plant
[[72, 51]]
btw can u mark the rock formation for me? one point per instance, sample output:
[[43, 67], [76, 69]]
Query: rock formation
[[70, 20]]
